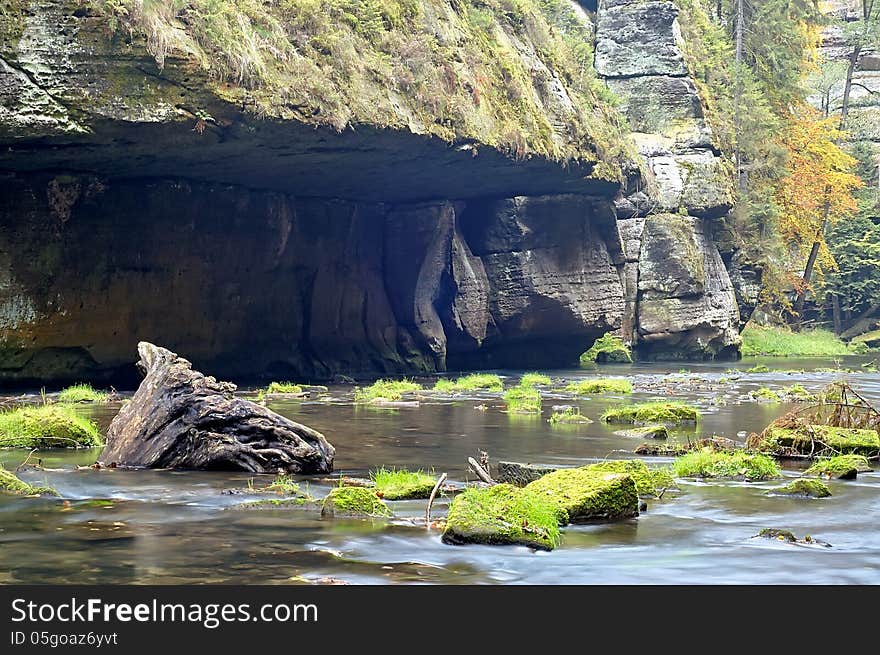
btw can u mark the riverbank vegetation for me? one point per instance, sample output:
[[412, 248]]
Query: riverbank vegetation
[[783, 342]]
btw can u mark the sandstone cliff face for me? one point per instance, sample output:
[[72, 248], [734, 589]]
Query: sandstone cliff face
[[147, 204]]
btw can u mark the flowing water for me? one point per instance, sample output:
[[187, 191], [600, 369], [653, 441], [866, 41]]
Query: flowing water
[[162, 527]]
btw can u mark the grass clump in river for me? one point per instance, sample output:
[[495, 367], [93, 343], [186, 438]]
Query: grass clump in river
[[535, 379], [764, 393], [842, 467], [600, 385], [284, 387], [11, 484], [803, 488], [385, 390], [707, 463], [673, 413], [400, 484], [607, 349], [354, 501], [781, 342], [473, 382], [523, 400], [82, 393], [569, 416], [47, 426]]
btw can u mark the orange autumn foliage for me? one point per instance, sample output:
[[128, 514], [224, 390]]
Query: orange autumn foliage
[[818, 189]]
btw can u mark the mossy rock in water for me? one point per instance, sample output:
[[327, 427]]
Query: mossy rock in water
[[47, 426], [646, 432], [570, 416], [649, 482], [402, 484], [11, 484], [775, 533], [803, 488], [588, 494], [353, 502], [503, 514], [600, 385], [667, 413], [841, 467], [715, 443], [609, 348], [82, 393], [738, 465], [816, 439]]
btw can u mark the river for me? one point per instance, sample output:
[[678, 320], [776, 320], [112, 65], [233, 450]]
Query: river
[[164, 527]]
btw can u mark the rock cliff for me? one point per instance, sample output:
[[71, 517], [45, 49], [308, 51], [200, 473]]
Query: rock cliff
[[319, 210]]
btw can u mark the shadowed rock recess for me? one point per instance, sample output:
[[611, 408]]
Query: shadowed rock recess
[[269, 234]]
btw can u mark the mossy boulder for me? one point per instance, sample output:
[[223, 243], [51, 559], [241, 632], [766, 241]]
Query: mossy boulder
[[588, 494], [650, 483], [400, 484], [519, 474], [570, 416], [803, 488], [667, 413], [609, 348], [354, 502], [738, 465], [816, 440], [503, 514], [47, 426], [841, 467], [11, 484], [646, 432]]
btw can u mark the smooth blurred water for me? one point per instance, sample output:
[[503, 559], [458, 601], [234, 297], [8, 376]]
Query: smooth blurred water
[[133, 527]]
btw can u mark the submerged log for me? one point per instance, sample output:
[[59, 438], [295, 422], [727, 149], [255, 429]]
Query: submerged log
[[182, 419]]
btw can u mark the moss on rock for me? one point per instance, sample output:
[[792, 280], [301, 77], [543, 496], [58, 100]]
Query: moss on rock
[[650, 483], [400, 484], [600, 385], [47, 426], [842, 467], [707, 463], [803, 488], [815, 440], [646, 432], [354, 501], [523, 400], [385, 391], [609, 348], [11, 484], [503, 514], [588, 494], [569, 416], [82, 393], [668, 413]]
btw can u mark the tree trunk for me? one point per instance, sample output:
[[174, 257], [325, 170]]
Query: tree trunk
[[847, 87], [835, 314], [808, 273]]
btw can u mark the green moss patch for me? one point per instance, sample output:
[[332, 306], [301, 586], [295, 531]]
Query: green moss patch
[[535, 379], [600, 385], [354, 501], [473, 382], [646, 432], [588, 494], [706, 463], [816, 440], [609, 348], [842, 467], [765, 394], [523, 400], [11, 484], [47, 426], [569, 416], [803, 488], [667, 413], [82, 393], [385, 390], [400, 484], [503, 514], [650, 483]]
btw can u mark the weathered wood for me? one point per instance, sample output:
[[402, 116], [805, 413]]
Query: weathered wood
[[182, 419]]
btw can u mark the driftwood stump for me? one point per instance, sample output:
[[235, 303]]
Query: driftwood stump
[[182, 419]]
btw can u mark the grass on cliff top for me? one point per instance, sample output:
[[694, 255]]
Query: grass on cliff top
[[47, 426], [401, 484], [707, 463], [780, 342], [82, 393], [600, 385], [472, 69], [473, 382], [390, 390]]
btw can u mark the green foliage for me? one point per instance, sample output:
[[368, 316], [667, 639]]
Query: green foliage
[[400, 484], [385, 390], [523, 400], [535, 379], [10, 484], [606, 349], [473, 382], [855, 245], [600, 385], [707, 463], [47, 426], [780, 342], [570, 416], [503, 514], [82, 393], [673, 413], [460, 70]]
